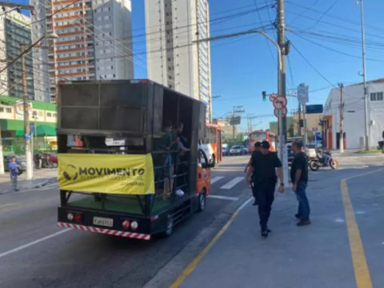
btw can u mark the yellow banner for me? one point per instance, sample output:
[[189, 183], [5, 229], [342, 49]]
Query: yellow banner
[[107, 173]]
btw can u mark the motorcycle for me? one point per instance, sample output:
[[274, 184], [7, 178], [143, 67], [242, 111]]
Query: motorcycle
[[327, 161]]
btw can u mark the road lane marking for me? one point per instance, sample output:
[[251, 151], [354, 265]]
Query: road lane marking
[[215, 179], [232, 183], [192, 266], [223, 197], [33, 243], [359, 261]]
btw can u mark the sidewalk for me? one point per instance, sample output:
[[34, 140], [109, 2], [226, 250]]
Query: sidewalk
[[312, 256], [41, 178]]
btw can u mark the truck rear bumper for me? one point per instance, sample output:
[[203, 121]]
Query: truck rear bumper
[[105, 231]]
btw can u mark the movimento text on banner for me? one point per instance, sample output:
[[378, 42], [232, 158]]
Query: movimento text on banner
[[107, 173]]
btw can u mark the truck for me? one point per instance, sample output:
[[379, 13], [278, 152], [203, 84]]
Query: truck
[[114, 168]]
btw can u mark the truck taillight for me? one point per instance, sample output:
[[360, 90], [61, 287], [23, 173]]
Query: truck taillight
[[70, 216], [134, 225], [126, 224], [76, 217]]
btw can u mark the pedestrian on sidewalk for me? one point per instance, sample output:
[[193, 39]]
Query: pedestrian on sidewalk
[[14, 173], [299, 178], [257, 150], [261, 176]]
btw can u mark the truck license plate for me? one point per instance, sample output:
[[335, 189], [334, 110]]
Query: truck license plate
[[106, 222]]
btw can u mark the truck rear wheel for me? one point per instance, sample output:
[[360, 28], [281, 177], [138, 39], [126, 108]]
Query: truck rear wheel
[[169, 228]]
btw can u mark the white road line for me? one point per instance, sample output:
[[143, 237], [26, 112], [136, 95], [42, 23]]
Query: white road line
[[223, 197], [232, 183], [33, 243], [215, 179]]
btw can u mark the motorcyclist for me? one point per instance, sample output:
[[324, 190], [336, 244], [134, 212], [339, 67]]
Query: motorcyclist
[[323, 157]]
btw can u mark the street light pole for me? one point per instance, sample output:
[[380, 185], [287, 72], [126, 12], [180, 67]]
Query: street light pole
[[366, 116], [27, 128], [281, 83]]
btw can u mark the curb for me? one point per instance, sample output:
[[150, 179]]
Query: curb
[[172, 270], [43, 184]]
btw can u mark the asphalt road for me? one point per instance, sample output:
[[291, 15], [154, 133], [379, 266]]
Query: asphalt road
[[35, 253]]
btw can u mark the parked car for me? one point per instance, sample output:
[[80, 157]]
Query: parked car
[[225, 149], [19, 160], [238, 150]]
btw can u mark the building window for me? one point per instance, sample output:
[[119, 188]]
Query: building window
[[1, 109], [377, 96], [8, 110], [49, 115]]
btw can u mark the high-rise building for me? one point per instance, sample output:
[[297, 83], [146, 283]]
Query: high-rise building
[[94, 41], [174, 60], [15, 29]]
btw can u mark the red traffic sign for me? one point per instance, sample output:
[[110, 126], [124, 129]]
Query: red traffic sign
[[280, 102], [282, 111], [272, 97]]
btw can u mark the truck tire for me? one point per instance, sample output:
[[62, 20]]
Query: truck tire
[[169, 229], [202, 200]]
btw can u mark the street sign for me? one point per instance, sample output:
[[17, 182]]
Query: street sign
[[280, 102], [32, 127], [236, 120], [314, 109], [27, 137], [315, 129], [272, 97], [302, 93], [282, 111]]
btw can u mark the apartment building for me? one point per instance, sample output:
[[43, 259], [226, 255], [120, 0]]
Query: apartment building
[[173, 59], [95, 41], [15, 29]]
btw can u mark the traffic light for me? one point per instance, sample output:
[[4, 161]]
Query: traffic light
[[264, 96], [301, 123]]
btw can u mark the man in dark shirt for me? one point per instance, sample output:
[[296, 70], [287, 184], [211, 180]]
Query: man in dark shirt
[[261, 176], [299, 178], [257, 150]]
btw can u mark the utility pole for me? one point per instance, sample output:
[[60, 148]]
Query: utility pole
[[299, 126], [341, 129], [27, 132], [284, 50], [366, 117], [305, 137]]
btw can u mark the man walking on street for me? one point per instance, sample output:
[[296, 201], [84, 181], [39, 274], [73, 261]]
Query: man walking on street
[[261, 176], [14, 173], [257, 150], [299, 178]]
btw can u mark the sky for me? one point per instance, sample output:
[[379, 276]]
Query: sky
[[326, 50]]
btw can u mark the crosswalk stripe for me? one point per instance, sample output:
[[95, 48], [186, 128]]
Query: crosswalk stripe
[[215, 179], [232, 183], [223, 197]]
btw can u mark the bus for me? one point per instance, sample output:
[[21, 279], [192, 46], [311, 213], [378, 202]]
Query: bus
[[255, 136], [212, 143]]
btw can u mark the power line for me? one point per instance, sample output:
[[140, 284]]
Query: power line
[[334, 50], [268, 44], [313, 67], [323, 14]]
